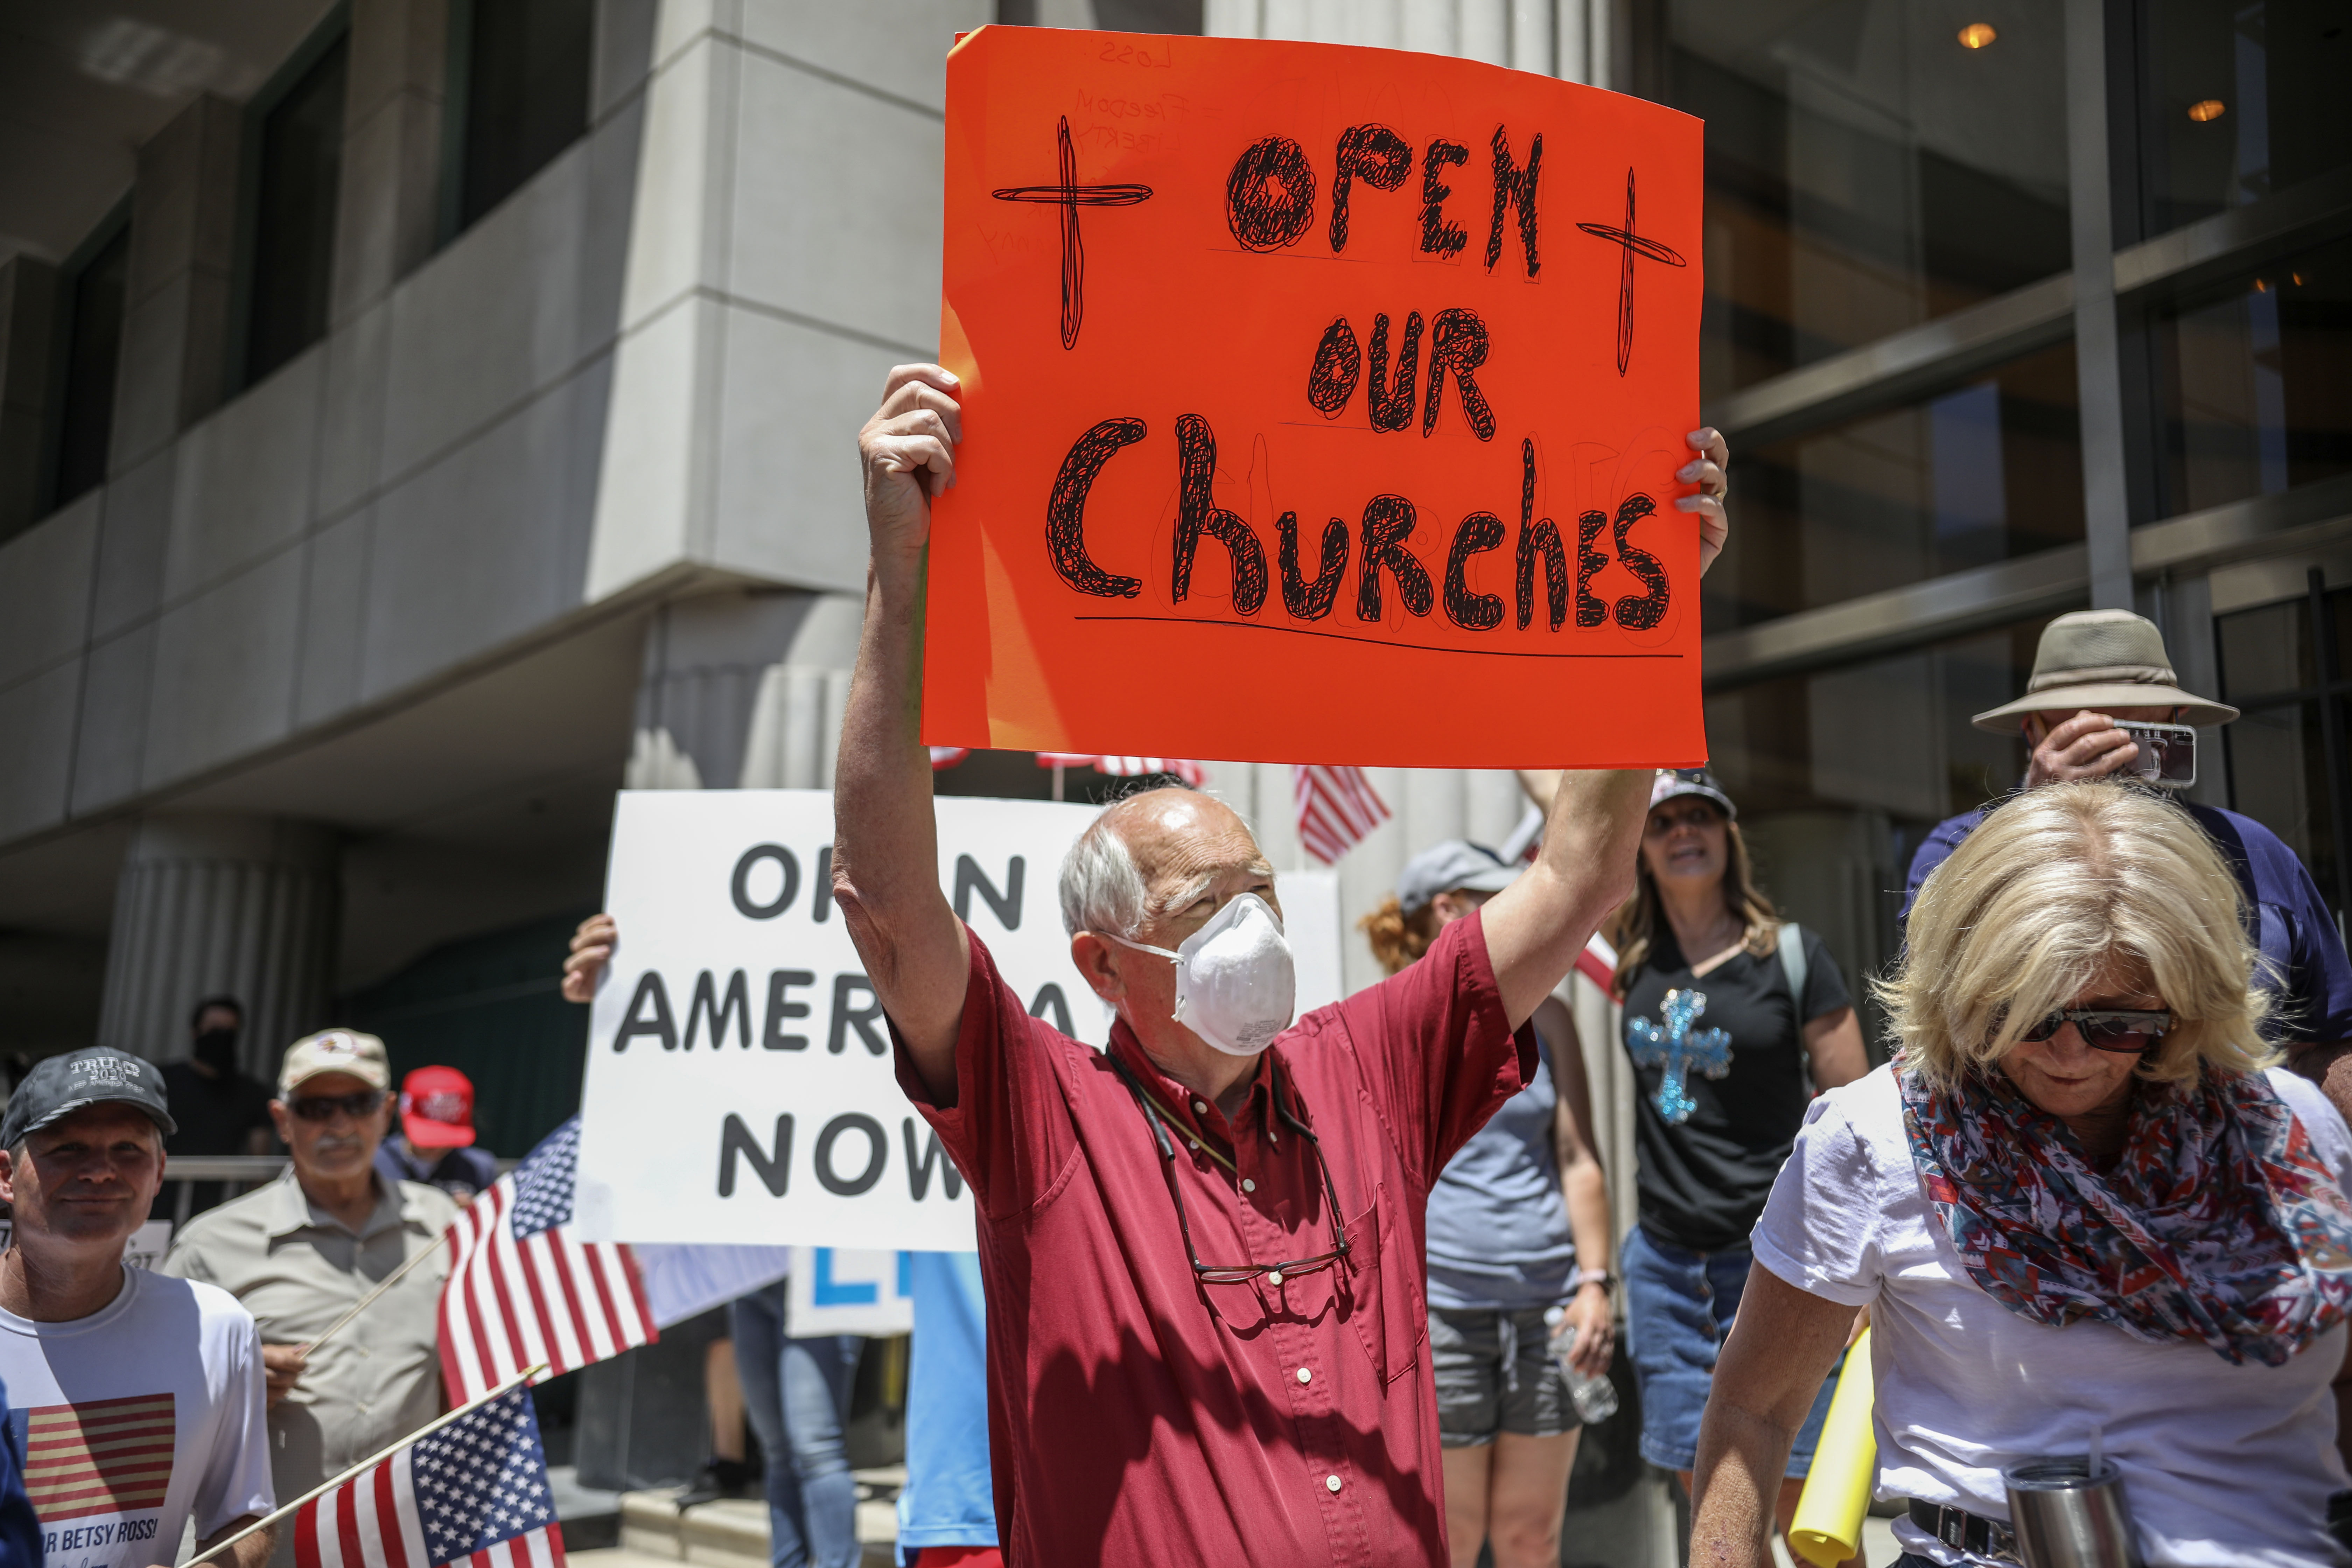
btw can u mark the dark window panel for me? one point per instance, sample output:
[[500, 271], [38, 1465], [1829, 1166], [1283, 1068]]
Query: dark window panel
[[93, 350], [2266, 652], [1149, 16], [300, 166], [1841, 773], [1965, 477], [1118, 16], [2239, 99], [527, 67], [2289, 682], [2278, 776], [2255, 383], [1865, 170]]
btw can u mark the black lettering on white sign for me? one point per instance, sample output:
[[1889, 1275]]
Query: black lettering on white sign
[[773, 1169]]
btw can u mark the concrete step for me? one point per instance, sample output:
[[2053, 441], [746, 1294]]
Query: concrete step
[[732, 1533]]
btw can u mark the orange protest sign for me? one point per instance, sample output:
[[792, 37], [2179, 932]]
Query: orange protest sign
[[1320, 404]]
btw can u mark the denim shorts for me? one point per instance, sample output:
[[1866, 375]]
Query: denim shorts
[[1678, 1305], [1480, 1391]]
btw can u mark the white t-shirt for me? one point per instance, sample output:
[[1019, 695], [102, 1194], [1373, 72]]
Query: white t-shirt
[[2222, 1464], [137, 1417]]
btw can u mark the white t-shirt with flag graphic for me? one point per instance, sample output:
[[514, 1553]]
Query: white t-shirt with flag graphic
[[137, 1418]]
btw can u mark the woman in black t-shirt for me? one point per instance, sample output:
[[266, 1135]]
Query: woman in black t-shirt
[[1723, 1045]]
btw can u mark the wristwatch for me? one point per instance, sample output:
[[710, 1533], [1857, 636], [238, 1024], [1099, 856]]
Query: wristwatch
[[1600, 1277]]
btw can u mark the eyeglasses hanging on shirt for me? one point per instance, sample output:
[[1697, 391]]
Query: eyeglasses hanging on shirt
[[1239, 1273]]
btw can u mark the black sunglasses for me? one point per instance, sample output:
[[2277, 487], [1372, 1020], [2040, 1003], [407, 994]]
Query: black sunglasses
[[1238, 1273], [322, 1107], [2123, 1031]]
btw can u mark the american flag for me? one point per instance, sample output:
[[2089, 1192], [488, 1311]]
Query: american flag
[[104, 1455], [475, 1492], [1597, 962], [522, 1290], [1184, 768], [1337, 810]]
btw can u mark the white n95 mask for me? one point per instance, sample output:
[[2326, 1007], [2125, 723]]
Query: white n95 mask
[[1235, 986]]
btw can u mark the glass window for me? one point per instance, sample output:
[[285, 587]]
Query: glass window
[[1870, 164], [1964, 477], [1116, 15], [2255, 379], [2239, 99], [1841, 773], [299, 166], [93, 347], [2288, 768], [526, 94], [1018, 776]]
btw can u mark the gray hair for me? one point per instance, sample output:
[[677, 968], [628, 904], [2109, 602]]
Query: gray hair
[[1102, 890]]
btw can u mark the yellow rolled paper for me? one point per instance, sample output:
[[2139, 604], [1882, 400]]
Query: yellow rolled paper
[[1828, 1527]]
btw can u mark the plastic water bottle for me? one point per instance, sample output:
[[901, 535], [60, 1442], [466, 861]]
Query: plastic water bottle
[[1594, 1397]]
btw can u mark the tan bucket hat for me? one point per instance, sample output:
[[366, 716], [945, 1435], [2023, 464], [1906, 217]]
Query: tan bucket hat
[[2100, 659]]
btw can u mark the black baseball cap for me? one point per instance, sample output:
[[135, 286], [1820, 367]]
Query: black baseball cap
[[59, 1085]]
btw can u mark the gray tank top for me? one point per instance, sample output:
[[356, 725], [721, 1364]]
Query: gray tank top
[[1498, 1234]]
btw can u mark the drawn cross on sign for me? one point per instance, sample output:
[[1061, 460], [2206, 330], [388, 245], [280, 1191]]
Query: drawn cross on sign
[[1634, 245], [1070, 195], [1677, 1049]]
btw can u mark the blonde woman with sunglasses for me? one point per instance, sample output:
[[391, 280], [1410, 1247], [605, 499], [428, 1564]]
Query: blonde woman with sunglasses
[[2083, 1207]]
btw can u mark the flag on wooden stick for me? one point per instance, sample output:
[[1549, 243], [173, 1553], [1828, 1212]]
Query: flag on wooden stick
[[524, 1289], [473, 1490]]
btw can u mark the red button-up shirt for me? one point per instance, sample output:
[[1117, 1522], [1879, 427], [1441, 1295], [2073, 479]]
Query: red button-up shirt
[[1137, 1416]]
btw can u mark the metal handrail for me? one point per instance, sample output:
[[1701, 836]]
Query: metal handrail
[[239, 1171]]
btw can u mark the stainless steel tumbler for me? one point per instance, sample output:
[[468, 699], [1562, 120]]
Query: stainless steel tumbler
[[2066, 1516]]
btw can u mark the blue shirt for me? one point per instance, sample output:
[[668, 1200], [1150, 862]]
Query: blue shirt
[[950, 1499], [1498, 1234], [20, 1530], [2291, 927], [460, 1172]]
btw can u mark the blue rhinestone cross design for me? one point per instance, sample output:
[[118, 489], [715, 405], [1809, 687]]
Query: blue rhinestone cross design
[[1677, 1049]]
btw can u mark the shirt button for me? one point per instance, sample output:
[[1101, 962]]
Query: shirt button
[[1304, 1376], [1200, 1107], [1248, 1186], [1332, 1483]]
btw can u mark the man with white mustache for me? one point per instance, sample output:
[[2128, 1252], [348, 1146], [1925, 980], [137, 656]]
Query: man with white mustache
[[301, 1251], [1203, 1247]]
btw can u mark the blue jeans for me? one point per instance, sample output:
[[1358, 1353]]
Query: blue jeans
[[796, 1392], [1678, 1305]]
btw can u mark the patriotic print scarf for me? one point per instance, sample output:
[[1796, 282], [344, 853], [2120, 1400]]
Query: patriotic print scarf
[[2218, 1224]]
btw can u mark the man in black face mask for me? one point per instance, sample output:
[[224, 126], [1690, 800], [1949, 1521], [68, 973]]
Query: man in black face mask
[[219, 1108]]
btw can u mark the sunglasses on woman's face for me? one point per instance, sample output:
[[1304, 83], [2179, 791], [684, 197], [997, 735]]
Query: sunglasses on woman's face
[[2122, 1030], [322, 1107]]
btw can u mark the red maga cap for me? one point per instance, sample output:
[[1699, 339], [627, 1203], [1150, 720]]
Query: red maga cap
[[436, 1109]]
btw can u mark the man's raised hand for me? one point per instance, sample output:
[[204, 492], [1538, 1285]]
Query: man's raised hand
[[592, 944], [2086, 746], [908, 450], [1708, 469]]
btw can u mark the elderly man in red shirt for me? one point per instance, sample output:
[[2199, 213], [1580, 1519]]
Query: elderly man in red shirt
[[1202, 1248]]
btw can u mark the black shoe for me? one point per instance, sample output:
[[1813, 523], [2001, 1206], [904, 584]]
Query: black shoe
[[716, 1480]]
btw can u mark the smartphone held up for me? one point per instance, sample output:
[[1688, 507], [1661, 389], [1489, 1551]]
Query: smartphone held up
[[2168, 753]]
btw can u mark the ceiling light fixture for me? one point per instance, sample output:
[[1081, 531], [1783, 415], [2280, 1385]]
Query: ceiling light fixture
[[2207, 108], [1976, 35]]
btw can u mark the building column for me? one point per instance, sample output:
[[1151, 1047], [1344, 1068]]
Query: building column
[[242, 906], [175, 316], [745, 690], [387, 203]]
